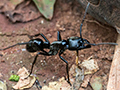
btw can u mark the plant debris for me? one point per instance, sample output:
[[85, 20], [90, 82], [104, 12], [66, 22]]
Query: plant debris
[[19, 10], [90, 66], [3, 85], [23, 81], [46, 7], [14, 78]]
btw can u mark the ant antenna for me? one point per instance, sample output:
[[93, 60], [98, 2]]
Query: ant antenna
[[14, 45], [83, 19], [102, 43]]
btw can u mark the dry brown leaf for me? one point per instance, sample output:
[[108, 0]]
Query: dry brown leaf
[[9, 5], [76, 78], [90, 66], [57, 85], [85, 81], [24, 83], [19, 10], [3, 85]]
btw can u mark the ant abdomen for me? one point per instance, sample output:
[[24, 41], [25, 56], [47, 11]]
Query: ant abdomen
[[34, 45]]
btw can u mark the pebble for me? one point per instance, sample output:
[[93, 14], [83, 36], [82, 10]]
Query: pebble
[[44, 81], [21, 62], [42, 21], [24, 49]]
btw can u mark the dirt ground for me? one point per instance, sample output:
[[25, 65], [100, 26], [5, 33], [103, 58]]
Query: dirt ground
[[67, 19]]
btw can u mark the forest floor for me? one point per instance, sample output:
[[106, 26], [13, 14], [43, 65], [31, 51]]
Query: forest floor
[[67, 19]]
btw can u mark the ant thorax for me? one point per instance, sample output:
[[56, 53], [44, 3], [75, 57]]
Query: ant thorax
[[54, 47]]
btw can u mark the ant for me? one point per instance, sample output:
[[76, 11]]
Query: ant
[[73, 43], [59, 46]]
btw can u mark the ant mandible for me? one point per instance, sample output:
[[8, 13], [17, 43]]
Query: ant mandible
[[59, 46]]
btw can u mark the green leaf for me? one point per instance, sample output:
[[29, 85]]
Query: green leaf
[[46, 7], [14, 78]]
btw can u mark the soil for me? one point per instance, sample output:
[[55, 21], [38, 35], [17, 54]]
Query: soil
[[67, 19]]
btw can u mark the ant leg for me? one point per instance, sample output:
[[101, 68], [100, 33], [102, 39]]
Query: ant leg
[[44, 37], [33, 64], [77, 57], [15, 45], [38, 84], [67, 69], [39, 53], [58, 36], [40, 34]]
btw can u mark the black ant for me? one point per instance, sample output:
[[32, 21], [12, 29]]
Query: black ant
[[59, 46]]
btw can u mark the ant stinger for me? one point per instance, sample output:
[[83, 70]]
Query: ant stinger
[[73, 43]]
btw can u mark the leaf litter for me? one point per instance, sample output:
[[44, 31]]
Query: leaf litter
[[25, 10], [23, 81], [77, 77]]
